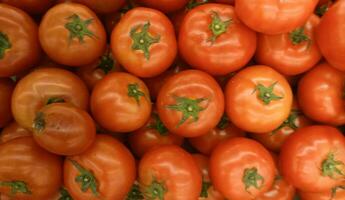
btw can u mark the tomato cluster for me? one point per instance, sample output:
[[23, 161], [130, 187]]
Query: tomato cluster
[[172, 100]]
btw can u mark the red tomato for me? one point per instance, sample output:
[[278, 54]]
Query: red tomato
[[13, 131], [104, 6], [321, 94], [166, 6], [6, 89], [241, 169], [312, 159], [105, 171], [337, 193], [31, 6], [274, 17], [214, 40], [258, 99], [144, 42], [170, 173], [190, 103]]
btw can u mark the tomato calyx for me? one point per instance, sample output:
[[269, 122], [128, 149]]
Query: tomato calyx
[[335, 190], [298, 36], [251, 178], [223, 123], [194, 3], [64, 195], [188, 107], [4, 44], [321, 10], [39, 122], [143, 40], [156, 190], [16, 187], [106, 63], [217, 26], [52, 100], [78, 28], [134, 91], [158, 125], [135, 193], [86, 179], [204, 189], [289, 122], [330, 167], [266, 93]]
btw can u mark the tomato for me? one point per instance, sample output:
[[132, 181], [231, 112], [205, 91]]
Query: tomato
[[274, 17], [152, 134], [19, 45], [125, 94], [213, 39], [290, 53], [144, 42], [258, 99], [190, 103], [223, 131], [208, 192], [105, 171], [31, 6], [13, 131], [45, 86], [321, 94], [28, 171], [76, 30], [104, 6], [6, 89], [170, 173], [166, 6], [312, 159], [241, 169], [337, 193]]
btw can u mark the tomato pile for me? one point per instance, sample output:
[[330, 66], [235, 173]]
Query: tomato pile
[[172, 100]]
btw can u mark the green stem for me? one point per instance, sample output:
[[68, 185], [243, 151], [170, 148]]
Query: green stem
[[217, 26], [265, 94], [78, 28], [204, 190], [4, 44], [298, 36], [330, 167], [106, 63], [135, 92], [52, 100], [135, 193], [39, 122], [224, 122], [16, 187], [158, 125], [251, 178], [289, 122], [64, 195], [156, 190], [194, 3]]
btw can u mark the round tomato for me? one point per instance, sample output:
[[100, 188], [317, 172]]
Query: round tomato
[[274, 17], [105, 171], [120, 102], [19, 45], [190, 103], [312, 159], [241, 169], [13, 131], [28, 171], [213, 39], [104, 6], [170, 173], [258, 99], [76, 31], [6, 89], [144, 42], [337, 193], [31, 6], [321, 94], [290, 53]]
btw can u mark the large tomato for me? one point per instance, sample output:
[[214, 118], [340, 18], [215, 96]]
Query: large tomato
[[213, 39], [312, 159], [242, 169], [13, 131], [274, 17], [144, 42], [170, 173], [45, 86], [166, 6], [27, 171], [337, 193], [105, 171], [321, 94], [190, 103], [76, 31], [104, 6], [6, 89], [19, 45], [258, 99], [31, 6]]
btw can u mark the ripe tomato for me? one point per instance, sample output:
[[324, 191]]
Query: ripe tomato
[[170, 173], [31, 6], [258, 99], [321, 94], [28, 171], [13, 131], [152, 134], [6, 89], [190, 103], [104, 6], [76, 30], [214, 40], [223, 131], [290, 53], [337, 193], [241, 169], [45, 86], [274, 17], [19, 45], [312, 159], [125, 94], [144, 42], [105, 171]]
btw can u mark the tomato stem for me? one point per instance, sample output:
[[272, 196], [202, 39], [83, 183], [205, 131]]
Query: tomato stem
[[266, 93], [223, 123], [16, 187], [135, 193], [158, 125], [78, 28], [330, 166], [194, 3], [52, 100], [156, 190], [39, 122], [289, 122], [251, 177], [4, 44], [134, 91], [217, 26], [204, 190], [335, 189], [298, 36], [106, 63], [64, 195]]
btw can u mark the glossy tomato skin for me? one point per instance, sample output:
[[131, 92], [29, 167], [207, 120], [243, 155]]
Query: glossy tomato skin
[[229, 51], [20, 48], [120, 102], [6, 90], [287, 52], [110, 164], [158, 49], [339, 195], [320, 94], [249, 103], [76, 30], [309, 157], [23, 160], [104, 6], [166, 6], [229, 169], [274, 17], [173, 171], [31, 6], [190, 103], [13, 131]]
